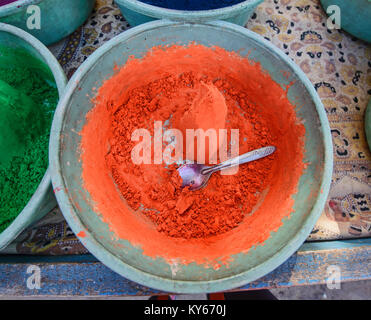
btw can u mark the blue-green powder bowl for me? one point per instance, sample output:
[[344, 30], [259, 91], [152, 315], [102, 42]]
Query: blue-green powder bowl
[[127, 259], [58, 18], [137, 12], [43, 200]]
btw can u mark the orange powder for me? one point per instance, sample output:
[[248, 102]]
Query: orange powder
[[207, 110], [81, 234], [189, 88]]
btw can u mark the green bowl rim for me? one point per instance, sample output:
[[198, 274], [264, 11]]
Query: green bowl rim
[[159, 12], [144, 278], [22, 220]]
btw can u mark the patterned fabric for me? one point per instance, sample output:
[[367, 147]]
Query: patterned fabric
[[339, 67]]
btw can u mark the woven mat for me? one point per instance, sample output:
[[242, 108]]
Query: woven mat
[[338, 65]]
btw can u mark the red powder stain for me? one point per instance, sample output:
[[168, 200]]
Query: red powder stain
[[144, 203]]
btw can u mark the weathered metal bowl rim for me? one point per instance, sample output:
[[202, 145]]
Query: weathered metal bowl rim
[[187, 15], [22, 220], [146, 279]]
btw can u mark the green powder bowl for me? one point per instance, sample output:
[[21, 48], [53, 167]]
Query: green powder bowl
[[43, 199]]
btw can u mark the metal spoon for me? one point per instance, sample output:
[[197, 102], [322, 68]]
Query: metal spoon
[[196, 176]]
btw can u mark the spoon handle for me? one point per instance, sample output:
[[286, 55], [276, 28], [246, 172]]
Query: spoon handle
[[244, 158]]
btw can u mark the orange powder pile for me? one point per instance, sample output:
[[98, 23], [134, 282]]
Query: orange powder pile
[[190, 88], [204, 107]]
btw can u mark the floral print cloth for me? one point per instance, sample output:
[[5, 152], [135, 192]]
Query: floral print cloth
[[338, 65]]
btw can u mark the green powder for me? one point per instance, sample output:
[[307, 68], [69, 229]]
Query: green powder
[[24, 135]]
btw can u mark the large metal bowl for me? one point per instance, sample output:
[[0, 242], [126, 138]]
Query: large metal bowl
[[137, 12], [128, 259], [57, 18], [43, 199]]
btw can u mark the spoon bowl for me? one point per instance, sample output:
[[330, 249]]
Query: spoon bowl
[[195, 175], [192, 176]]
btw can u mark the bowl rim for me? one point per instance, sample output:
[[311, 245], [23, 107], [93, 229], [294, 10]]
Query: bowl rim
[[18, 5], [159, 12], [153, 281], [28, 212], [368, 124]]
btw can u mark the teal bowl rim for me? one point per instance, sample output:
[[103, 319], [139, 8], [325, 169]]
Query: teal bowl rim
[[368, 123], [23, 219], [13, 7], [144, 278], [159, 12]]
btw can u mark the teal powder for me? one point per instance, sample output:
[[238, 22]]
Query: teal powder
[[20, 177]]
